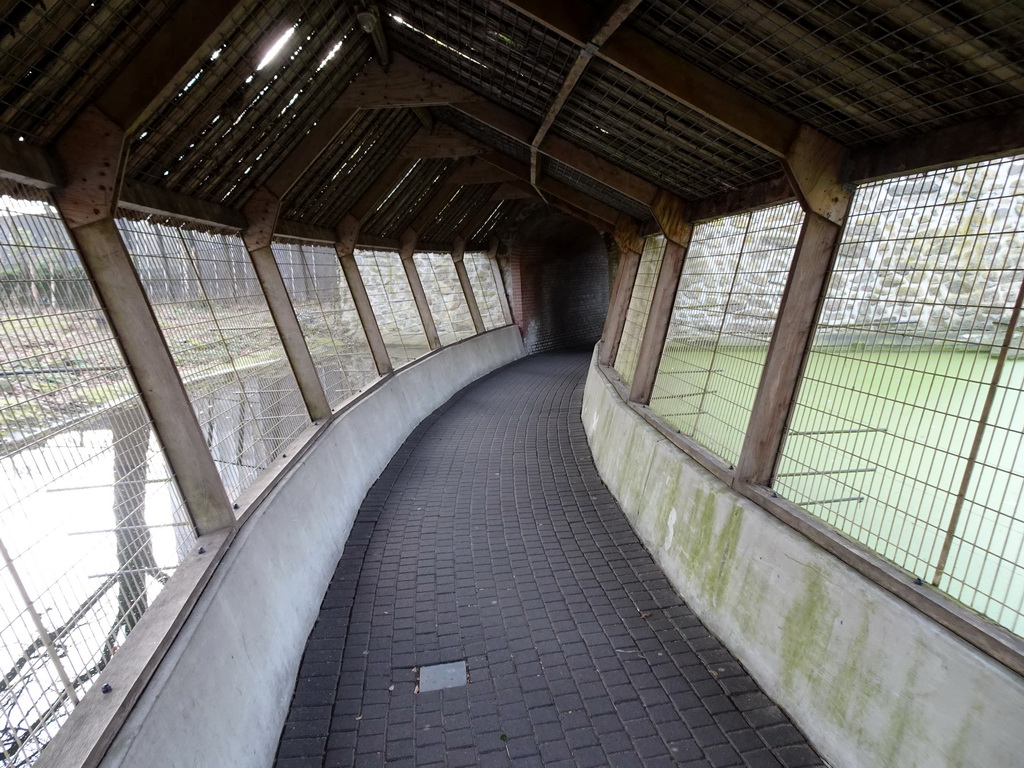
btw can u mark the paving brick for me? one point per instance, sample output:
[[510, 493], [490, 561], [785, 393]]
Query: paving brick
[[491, 538]]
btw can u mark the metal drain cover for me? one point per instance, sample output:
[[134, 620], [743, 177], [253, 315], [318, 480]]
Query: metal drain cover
[[438, 676]]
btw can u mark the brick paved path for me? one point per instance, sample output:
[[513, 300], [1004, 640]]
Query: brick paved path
[[491, 538]]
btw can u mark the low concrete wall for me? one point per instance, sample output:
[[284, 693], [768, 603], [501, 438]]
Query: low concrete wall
[[871, 680], [222, 692]]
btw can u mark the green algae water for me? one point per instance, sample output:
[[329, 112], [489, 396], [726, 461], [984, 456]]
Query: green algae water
[[878, 447]]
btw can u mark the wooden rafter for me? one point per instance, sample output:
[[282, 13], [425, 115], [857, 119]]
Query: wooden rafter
[[443, 141]]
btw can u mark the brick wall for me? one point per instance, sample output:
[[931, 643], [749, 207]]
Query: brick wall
[[557, 282]]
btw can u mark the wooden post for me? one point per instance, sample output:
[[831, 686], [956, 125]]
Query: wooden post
[[499, 282], [91, 150], [658, 320], [813, 164], [791, 340], [631, 245], [458, 256], [261, 217], [622, 291], [345, 247], [418, 294]]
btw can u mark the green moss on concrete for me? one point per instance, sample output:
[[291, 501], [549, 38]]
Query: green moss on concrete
[[903, 715], [807, 632], [957, 757], [855, 685]]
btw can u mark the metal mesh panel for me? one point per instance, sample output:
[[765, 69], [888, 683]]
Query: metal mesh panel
[[222, 133], [343, 174], [858, 72], [621, 118], [393, 305], [447, 302], [639, 307], [724, 314], [891, 440], [396, 214], [91, 522], [55, 56], [485, 289], [212, 312], [328, 317], [486, 46], [456, 214], [494, 224]]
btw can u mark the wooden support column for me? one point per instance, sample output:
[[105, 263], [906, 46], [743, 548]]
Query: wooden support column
[[92, 154], [458, 256], [791, 339], [418, 294], [348, 232], [499, 282], [658, 318], [261, 214], [813, 165], [631, 246]]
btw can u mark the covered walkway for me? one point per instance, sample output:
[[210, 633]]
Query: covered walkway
[[490, 539]]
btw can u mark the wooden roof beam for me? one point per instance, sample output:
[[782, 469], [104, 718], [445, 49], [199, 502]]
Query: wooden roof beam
[[407, 84], [808, 157], [508, 191], [659, 67], [613, 20], [970, 141], [443, 141], [584, 161], [403, 84], [476, 171], [580, 200]]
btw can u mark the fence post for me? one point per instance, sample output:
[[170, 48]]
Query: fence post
[[261, 216], [345, 247], [813, 165], [418, 294], [91, 150], [458, 256], [659, 317]]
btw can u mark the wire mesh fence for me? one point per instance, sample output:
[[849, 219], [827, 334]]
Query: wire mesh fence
[[325, 310], [481, 277], [722, 321], [639, 307], [91, 521], [905, 432], [213, 314], [393, 305], [444, 293]]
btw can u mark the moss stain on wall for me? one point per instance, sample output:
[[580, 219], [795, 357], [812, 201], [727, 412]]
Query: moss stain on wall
[[807, 632]]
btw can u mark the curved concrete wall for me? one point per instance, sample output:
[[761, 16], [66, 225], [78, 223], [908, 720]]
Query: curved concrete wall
[[871, 680], [220, 695]]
